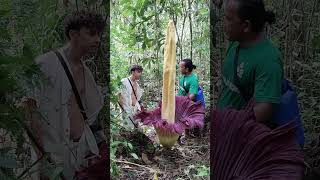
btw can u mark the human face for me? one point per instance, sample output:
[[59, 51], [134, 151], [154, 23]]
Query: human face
[[87, 40], [183, 68], [234, 27], [137, 74]]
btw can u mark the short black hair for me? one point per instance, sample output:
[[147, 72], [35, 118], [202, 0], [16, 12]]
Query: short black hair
[[136, 67], [255, 12], [83, 18], [188, 64]]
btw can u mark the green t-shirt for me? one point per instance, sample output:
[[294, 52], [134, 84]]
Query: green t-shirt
[[260, 72], [188, 84]]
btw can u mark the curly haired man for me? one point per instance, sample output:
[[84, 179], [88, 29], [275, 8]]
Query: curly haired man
[[59, 125]]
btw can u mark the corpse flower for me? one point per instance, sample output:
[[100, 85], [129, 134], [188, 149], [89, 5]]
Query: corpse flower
[[244, 149], [174, 114], [187, 115]]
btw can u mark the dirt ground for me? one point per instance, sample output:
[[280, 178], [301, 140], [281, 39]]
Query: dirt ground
[[182, 162]]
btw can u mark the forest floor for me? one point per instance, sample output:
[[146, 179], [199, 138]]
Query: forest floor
[[182, 162]]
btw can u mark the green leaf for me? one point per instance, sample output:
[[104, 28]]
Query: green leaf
[[144, 46], [204, 11], [27, 52], [139, 4], [4, 12], [114, 169], [130, 146], [147, 18], [134, 155], [202, 171], [115, 143], [316, 42], [178, 10]]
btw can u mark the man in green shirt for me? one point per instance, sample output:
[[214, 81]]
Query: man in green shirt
[[259, 68], [188, 82], [188, 86]]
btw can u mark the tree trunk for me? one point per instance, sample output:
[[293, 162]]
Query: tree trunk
[[213, 45], [157, 43], [177, 34], [183, 25], [190, 22]]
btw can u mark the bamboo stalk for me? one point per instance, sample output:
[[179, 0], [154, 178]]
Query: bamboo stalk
[[183, 26], [190, 23]]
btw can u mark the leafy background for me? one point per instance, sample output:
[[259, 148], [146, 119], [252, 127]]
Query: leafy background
[[138, 30], [296, 33], [28, 29]]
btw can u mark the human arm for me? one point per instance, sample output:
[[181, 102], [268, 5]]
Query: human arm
[[263, 111], [194, 85], [267, 89]]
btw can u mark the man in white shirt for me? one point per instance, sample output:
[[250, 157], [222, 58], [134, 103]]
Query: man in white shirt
[[130, 95], [58, 124]]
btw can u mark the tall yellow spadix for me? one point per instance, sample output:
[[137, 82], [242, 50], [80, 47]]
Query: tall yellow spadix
[[169, 75]]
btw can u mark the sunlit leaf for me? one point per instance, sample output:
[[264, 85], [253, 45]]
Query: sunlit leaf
[[134, 155]]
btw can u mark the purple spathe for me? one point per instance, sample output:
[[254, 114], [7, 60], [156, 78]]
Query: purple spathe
[[188, 114], [242, 148]]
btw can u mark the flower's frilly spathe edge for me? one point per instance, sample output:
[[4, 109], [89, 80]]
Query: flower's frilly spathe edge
[[188, 115]]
